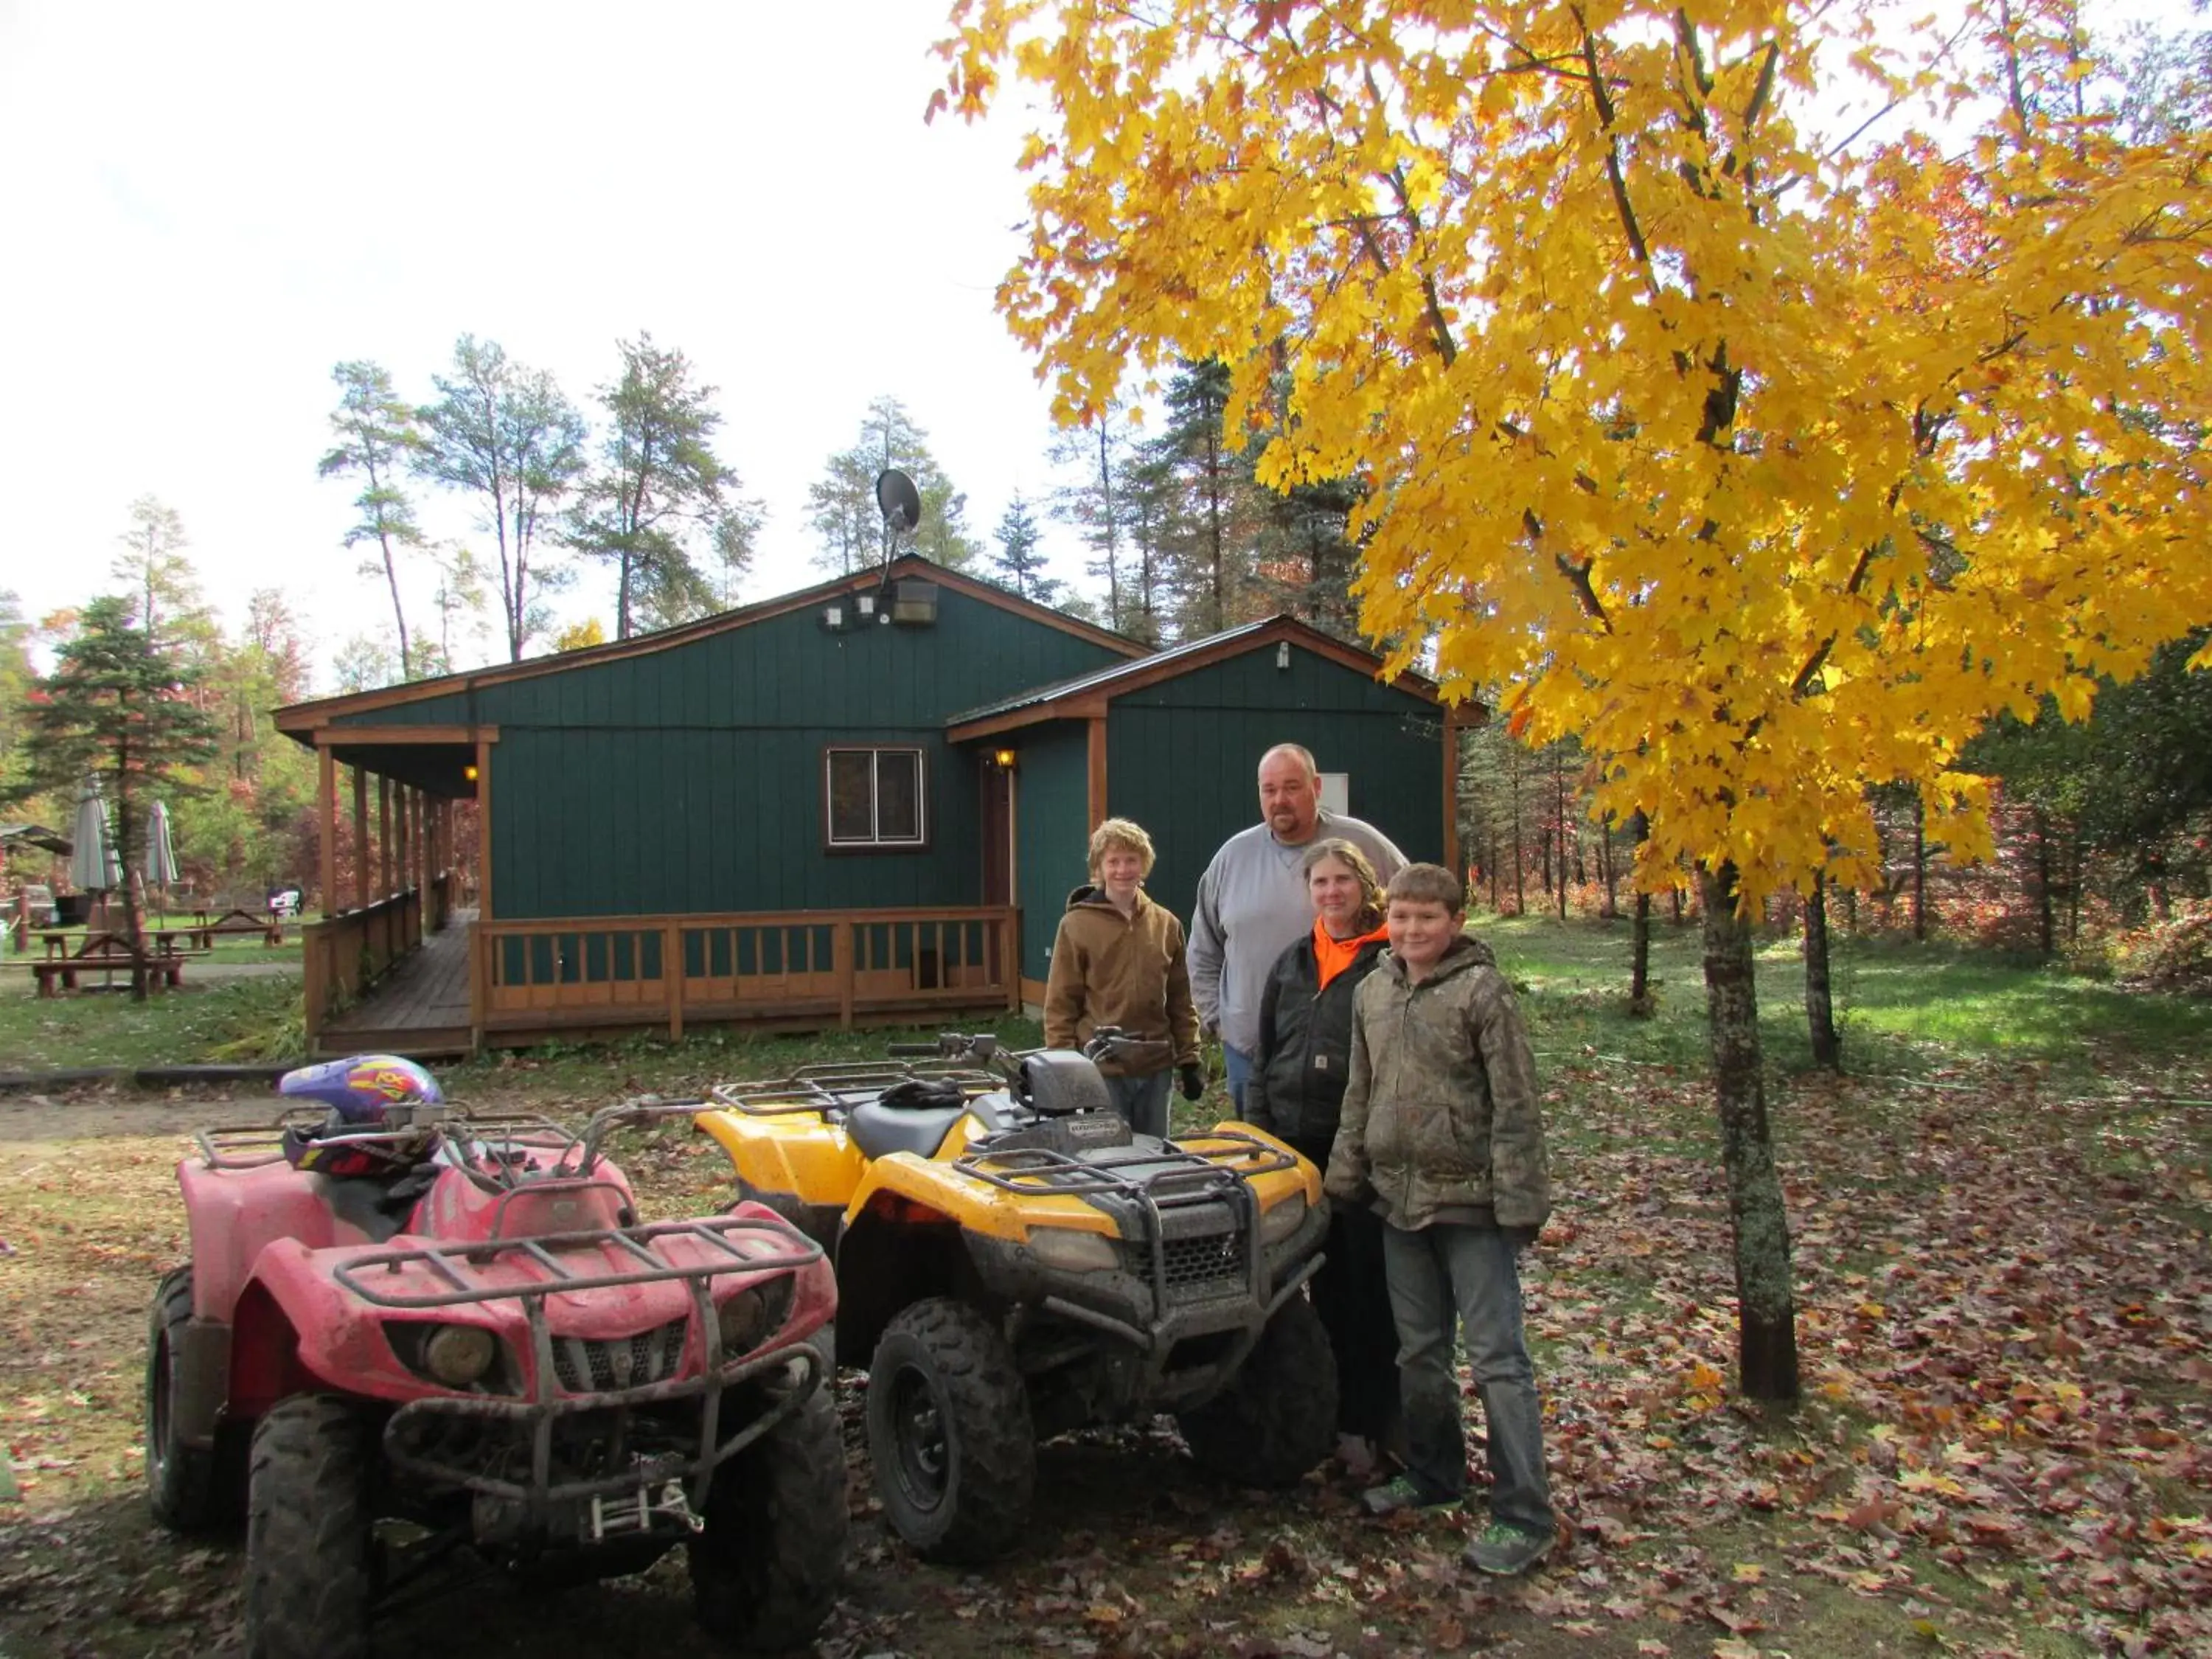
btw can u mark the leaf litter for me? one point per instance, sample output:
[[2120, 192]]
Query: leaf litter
[[2004, 1298]]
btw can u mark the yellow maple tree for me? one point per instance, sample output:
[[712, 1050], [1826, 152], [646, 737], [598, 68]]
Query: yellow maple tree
[[1769, 467]]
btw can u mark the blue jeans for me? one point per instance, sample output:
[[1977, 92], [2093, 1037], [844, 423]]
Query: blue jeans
[[1238, 1065], [1448, 1275], [1143, 1101]]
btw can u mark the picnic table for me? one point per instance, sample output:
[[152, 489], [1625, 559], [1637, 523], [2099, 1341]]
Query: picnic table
[[238, 920], [103, 952]]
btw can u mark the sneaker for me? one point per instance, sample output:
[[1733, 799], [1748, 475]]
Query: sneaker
[[1506, 1552], [1402, 1493]]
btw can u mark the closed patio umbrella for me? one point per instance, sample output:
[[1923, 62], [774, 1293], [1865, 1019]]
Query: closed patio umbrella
[[161, 854], [93, 864]]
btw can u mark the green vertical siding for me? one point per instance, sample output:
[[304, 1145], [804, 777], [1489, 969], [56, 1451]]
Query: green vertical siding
[[690, 779], [1052, 831], [1182, 756]]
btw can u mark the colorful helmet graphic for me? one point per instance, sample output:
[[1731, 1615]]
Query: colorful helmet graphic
[[359, 1088], [358, 1091]]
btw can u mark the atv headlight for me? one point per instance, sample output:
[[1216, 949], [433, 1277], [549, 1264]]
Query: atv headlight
[[753, 1314], [1285, 1218], [459, 1355], [1074, 1252]]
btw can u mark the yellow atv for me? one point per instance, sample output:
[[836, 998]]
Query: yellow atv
[[1013, 1263]]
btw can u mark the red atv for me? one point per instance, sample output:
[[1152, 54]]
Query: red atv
[[407, 1330]]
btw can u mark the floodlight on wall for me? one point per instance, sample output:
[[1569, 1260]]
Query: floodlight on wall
[[1283, 654]]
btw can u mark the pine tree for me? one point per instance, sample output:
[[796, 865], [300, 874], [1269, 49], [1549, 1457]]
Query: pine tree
[[118, 708], [1018, 563]]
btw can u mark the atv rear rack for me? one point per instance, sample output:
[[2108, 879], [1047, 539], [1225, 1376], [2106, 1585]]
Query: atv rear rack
[[252, 1147], [833, 1088]]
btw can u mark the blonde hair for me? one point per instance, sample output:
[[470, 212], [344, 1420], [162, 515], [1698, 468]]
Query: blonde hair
[[1119, 833], [1371, 889], [1429, 883]]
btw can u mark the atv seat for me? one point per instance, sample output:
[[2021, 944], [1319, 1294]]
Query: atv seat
[[878, 1130]]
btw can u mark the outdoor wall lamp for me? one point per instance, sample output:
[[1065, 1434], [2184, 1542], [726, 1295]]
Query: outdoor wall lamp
[[469, 771], [1003, 758], [1283, 654]]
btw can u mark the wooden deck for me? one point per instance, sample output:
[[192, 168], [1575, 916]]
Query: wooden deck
[[421, 1008]]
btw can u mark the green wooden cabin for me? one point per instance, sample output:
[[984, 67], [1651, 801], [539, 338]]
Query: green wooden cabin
[[864, 801]]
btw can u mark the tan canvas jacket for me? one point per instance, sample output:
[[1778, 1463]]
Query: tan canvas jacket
[[1112, 970], [1441, 1112]]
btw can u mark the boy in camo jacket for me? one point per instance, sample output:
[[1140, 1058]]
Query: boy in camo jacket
[[1441, 1134]]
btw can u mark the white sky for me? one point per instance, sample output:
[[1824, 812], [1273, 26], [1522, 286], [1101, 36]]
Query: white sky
[[207, 207]]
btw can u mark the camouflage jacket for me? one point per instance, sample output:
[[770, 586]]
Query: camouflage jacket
[[1441, 1112]]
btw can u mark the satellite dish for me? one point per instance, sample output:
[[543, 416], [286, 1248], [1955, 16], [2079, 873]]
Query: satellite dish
[[900, 500]]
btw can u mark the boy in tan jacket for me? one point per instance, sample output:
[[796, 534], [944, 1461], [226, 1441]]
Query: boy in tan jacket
[[1118, 960]]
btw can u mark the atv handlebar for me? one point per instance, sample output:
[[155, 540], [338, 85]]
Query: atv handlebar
[[984, 1049]]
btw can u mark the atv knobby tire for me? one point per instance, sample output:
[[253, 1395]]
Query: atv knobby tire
[[767, 1570], [308, 1580], [190, 1488], [1276, 1419], [949, 1433]]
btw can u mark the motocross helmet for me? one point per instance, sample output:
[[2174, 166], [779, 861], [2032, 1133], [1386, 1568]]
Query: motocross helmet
[[359, 1092]]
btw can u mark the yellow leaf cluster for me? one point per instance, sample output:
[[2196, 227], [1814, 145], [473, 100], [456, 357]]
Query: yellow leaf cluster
[[1770, 473]]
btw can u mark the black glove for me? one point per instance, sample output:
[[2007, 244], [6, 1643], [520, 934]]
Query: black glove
[[1520, 1237], [1193, 1077]]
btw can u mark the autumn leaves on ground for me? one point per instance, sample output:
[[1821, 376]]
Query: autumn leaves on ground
[[2004, 1298]]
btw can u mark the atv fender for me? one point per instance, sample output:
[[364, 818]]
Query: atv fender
[[796, 1159], [969, 1201], [297, 1329]]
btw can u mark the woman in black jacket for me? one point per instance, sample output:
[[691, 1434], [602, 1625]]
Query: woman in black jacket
[[1299, 1069]]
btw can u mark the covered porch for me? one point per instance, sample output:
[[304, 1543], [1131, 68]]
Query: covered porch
[[400, 963]]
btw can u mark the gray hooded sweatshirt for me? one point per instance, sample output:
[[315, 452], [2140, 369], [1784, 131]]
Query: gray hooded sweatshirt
[[1252, 906]]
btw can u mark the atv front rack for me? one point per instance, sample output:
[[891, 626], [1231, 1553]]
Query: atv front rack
[[462, 1269], [456, 1264], [1155, 1185]]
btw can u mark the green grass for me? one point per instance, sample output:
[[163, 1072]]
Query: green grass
[[1904, 1009], [239, 1020]]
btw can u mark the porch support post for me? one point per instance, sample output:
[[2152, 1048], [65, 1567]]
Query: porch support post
[[359, 839], [383, 836], [326, 825]]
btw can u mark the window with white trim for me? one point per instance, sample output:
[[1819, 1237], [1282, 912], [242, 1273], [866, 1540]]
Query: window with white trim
[[875, 798]]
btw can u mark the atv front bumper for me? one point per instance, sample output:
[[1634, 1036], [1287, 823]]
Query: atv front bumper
[[1174, 1344]]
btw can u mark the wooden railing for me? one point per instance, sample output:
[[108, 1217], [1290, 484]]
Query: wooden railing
[[345, 954], [841, 965]]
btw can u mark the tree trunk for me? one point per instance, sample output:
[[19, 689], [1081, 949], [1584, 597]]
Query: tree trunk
[[1819, 1007], [1919, 868], [2046, 921], [1766, 1319], [1608, 871], [1520, 873], [1640, 1004]]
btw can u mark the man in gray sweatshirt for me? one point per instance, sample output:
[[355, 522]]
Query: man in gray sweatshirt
[[1252, 902]]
